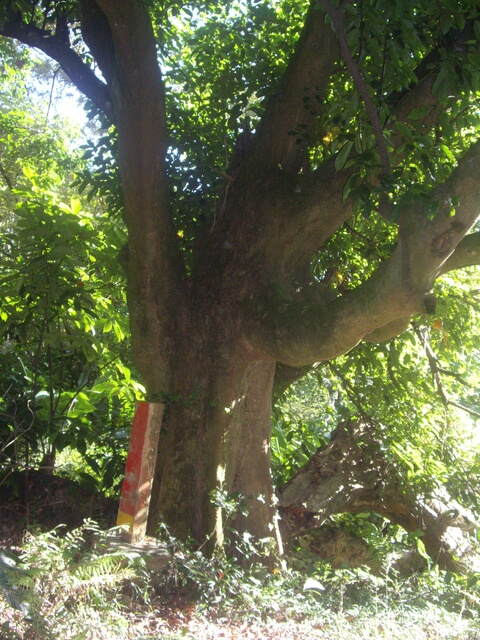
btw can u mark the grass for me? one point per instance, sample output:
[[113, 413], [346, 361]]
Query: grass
[[78, 586]]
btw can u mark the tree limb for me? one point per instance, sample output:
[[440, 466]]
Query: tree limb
[[388, 331], [304, 210], [351, 474], [297, 334], [301, 213], [155, 270], [82, 76], [283, 135], [98, 37], [431, 243], [467, 254]]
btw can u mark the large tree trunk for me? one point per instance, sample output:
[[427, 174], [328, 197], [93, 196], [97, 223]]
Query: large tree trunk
[[352, 474], [216, 432]]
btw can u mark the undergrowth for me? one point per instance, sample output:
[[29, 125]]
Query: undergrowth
[[83, 585]]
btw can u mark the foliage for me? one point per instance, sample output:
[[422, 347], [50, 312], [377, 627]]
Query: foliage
[[389, 46], [215, 97], [82, 585], [66, 380], [418, 391], [68, 580], [222, 63], [302, 421]]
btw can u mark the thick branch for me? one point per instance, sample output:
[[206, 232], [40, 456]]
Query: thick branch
[[283, 135], [430, 243], [467, 254], [129, 60], [307, 198], [388, 331], [299, 334], [98, 37], [300, 213], [305, 210], [351, 474], [56, 48], [302, 210]]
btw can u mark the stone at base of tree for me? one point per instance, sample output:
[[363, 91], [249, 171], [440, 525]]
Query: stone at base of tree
[[337, 546], [343, 549], [410, 563], [155, 555]]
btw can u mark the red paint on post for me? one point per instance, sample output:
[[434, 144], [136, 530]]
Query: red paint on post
[[139, 469]]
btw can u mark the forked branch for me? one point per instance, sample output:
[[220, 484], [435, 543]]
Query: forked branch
[[297, 334], [283, 135]]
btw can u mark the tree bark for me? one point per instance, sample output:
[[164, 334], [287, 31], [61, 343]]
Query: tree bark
[[216, 434]]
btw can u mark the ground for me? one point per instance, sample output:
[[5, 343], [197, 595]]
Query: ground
[[31, 500], [38, 501]]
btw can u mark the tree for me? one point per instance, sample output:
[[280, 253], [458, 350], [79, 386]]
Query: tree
[[364, 124]]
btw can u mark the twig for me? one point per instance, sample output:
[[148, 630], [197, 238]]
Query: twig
[[473, 413], [57, 70], [351, 392], [437, 375], [369, 241], [433, 364]]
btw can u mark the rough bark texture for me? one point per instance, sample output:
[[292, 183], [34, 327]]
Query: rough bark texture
[[352, 474], [208, 347]]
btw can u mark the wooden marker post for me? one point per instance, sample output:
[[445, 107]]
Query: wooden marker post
[[139, 469]]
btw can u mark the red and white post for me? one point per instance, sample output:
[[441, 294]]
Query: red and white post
[[140, 469]]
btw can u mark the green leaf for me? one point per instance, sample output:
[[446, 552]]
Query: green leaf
[[419, 113], [404, 129], [350, 185], [444, 84], [476, 29], [343, 155]]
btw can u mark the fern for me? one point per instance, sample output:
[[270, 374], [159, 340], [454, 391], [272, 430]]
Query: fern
[[61, 577], [16, 583]]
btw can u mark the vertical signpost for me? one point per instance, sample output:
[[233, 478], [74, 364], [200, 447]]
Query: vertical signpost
[[140, 469]]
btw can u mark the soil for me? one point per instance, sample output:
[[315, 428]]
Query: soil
[[33, 500], [38, 501]]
